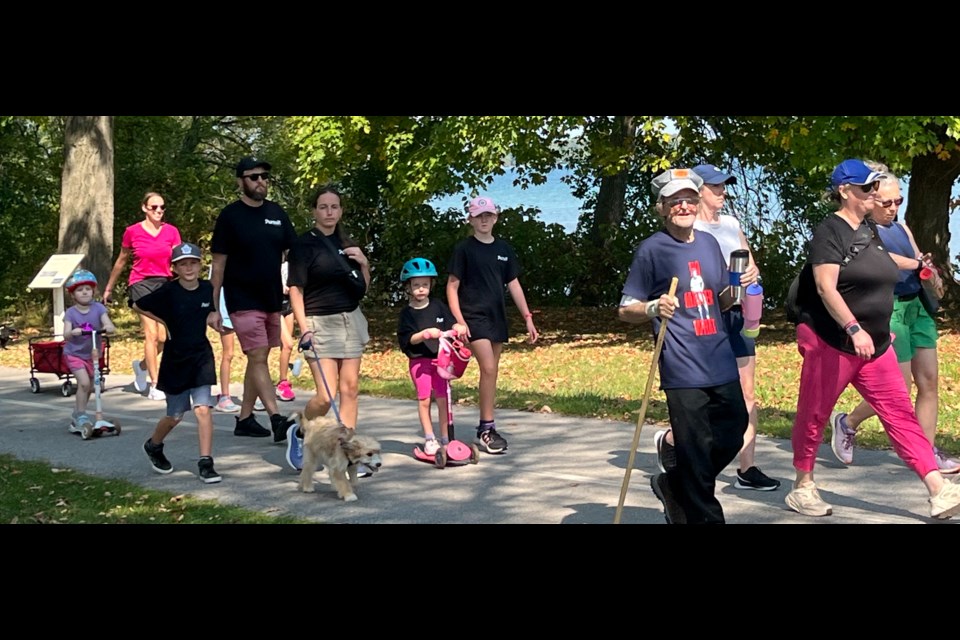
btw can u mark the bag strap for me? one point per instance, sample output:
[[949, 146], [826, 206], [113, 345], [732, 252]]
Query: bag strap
[[333, 248]]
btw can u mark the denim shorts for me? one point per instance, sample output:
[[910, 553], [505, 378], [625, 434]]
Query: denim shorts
[[179, 404]]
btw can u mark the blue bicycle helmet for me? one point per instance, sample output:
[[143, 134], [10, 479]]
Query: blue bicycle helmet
[[79, 277], [417, 267]]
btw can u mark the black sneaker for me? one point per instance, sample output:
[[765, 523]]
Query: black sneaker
[[672, 511], [491, 441], [155, 455], [207, 473], [755, 479], [666, 452], [280, 425], [250, 427]]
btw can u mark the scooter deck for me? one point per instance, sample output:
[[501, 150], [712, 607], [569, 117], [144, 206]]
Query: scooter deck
[[456, 453]]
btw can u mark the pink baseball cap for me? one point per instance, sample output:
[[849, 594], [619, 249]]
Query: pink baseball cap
[[482, 204]]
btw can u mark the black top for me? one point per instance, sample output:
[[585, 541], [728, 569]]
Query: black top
[[253, 239], [321, 274], [187, 360], [435, 315], [865, 283], [484, 270]]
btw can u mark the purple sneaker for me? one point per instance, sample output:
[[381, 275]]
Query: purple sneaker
[[842, 440]]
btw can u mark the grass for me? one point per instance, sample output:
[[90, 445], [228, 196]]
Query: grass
[[586, 363], [36, 493]]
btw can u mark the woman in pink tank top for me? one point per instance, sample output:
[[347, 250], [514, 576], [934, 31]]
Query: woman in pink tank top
[[149, 242]]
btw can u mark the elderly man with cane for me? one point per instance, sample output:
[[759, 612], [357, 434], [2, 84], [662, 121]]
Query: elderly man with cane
[[698, 370]]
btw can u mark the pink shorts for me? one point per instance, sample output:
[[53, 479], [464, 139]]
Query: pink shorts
[[75, 364], [256, 329], [425, 378]]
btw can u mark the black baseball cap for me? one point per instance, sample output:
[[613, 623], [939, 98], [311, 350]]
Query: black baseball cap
[[250, 163]]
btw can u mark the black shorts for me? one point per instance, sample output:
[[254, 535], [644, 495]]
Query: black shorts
[[143, 287], [484, 328]]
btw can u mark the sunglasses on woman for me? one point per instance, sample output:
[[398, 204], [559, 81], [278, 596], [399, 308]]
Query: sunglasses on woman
[[157, 207], [886, 203], [867, 188]]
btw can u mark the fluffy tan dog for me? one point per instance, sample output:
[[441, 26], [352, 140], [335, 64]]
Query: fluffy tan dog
[[337, 448]]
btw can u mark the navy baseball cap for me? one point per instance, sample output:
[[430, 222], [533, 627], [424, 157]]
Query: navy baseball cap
[[856, 172], [250, 163], [185, 250], [712, 174]]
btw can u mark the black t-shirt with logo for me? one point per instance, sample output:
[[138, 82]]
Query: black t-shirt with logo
[[435, 315], [866, 285], [253, 239], [187, 360], [321, 274], [484, 270]]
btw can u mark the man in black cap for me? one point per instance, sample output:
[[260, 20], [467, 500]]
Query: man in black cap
[[249, 241]]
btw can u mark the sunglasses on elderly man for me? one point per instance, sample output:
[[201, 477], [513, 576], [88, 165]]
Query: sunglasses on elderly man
[[886, 203], [676, 202], [256, 177]]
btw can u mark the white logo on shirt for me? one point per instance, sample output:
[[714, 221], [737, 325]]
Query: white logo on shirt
[[204, 305], [502, 258], [275, 223], [440, 320]]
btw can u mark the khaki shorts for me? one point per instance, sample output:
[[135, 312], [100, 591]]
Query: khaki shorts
[[338, 336]]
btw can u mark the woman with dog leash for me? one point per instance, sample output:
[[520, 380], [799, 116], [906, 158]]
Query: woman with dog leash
[[328, 276]]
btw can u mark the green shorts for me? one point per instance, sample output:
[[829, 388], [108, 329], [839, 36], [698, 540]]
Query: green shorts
[[913, 327]]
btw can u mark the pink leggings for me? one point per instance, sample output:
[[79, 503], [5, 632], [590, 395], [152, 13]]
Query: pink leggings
[[826, 373]]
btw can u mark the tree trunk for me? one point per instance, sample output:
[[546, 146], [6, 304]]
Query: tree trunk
[[86, 193], [928, 210], [606, 219]]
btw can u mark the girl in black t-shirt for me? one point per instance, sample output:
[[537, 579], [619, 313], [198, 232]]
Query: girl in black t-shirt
[[480, 268]]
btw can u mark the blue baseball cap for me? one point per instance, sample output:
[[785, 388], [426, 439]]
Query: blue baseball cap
[[713, 175], [854, 171]]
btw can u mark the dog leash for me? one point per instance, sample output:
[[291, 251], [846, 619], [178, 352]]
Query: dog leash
[[333, 404]]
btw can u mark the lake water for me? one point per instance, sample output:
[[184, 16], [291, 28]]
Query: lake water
[[558, 205]]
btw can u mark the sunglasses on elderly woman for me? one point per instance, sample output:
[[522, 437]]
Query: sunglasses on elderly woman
[[157, 207], [867, 188], [886, 203]]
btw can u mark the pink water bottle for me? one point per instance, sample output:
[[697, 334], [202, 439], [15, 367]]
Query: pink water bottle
[[752, 310]]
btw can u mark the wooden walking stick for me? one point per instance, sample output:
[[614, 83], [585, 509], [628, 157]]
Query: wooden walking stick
[[643, 407]]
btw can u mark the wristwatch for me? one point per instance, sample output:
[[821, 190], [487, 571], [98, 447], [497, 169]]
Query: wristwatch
[[852, 329]]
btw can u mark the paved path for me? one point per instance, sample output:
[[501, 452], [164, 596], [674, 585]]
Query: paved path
[[558, 469]]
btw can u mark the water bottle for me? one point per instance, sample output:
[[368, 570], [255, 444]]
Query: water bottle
[[930, 279], [752, 310], [739, 261]]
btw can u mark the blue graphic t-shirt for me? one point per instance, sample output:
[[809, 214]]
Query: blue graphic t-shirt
[[696, 349]]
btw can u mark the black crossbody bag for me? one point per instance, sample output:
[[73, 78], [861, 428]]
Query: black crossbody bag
[[354, 277]]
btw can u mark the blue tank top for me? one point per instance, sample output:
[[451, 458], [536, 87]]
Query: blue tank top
[[896, 241]]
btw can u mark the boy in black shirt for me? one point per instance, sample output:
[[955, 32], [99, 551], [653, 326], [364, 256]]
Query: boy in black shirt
[[421, 323], [187, 369]]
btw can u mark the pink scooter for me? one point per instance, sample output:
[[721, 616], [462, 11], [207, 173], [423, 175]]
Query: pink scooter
[[451, 362]]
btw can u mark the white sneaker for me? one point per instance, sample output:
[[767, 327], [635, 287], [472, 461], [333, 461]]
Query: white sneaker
[[140, 377], [258, 405], [296, 367], [156, 394]]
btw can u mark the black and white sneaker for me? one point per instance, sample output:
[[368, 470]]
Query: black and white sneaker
[[755, 479], [250, 427], [672, 511], [490, 441], [158, 461], [666, 452], [207, 473]]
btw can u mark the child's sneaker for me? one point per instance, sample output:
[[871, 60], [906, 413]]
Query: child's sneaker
[[258, 405], [294, 448], [207, 473], [155, 455], [139, 377], [156, 394], [226, 404], [490, 440], [84, 426], [285, 392], [296, 367], [431, 446]]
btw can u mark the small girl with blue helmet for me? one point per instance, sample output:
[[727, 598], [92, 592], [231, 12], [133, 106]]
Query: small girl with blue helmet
[[418, 332]]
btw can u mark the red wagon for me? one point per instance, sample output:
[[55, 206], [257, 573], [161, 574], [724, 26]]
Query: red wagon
[[46, 356]]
